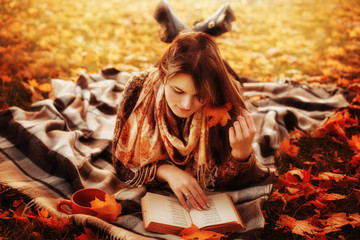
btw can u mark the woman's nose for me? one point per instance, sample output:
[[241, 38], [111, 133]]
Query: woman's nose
[[186, 102]]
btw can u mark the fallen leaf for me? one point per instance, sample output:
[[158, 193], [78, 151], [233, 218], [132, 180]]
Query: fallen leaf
[[33, 83], [331, 197], [6, 78], [288, 148], [88, 235], [45, 87], [335, 222], [4, 214], [53, 221], [194, 232], [299, 227], [326, 176], [355, 142], [107, 210]]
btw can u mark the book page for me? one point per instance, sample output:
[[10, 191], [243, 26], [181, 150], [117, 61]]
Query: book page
[[168, 210], [221, 211]]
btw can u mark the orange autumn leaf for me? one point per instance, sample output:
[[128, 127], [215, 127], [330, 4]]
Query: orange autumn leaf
[[4, 107], [107, 210], [335, 221], [34, 83], [88, 235], [218, 114], [52, 221], [355, 160], [355, 142], [6, 78], [276, 195], [288, 148], [331, 197], [194, 232], [43, 213], [299, 227], [45, 87], [327, 176], [4, 214]]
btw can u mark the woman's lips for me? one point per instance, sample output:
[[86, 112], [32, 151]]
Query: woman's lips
[[184, 110]]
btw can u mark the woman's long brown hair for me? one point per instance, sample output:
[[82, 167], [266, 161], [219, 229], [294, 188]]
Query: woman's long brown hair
[[197, 54]]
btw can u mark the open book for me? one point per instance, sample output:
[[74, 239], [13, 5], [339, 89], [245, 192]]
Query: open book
[[165, 214]]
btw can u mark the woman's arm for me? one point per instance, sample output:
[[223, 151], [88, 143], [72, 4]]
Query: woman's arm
[[240, 168], [184, 186]]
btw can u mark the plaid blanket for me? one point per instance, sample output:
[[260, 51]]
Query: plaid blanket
[[63, 144]]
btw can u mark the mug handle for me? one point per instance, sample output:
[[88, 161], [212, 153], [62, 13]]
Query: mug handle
[[64, 202]]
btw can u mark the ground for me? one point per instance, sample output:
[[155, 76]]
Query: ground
[[312, 42]]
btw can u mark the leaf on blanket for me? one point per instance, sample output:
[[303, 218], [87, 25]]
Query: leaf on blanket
[[194, 232], [218, 114], [107, 210]]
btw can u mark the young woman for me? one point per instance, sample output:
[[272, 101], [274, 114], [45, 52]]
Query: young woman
[[168, 129]]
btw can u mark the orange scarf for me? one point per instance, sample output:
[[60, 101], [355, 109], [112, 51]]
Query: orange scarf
[[151, 134]]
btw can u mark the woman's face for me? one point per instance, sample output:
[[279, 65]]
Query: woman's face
[[181, 95]]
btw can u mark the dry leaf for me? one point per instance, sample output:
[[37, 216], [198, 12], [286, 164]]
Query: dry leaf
[[355, 142], [299, 227], [45, 87], [218, 114], [331, 197], [88, 235], [194, 232], [288, 148], [6, 78], [107, 210]]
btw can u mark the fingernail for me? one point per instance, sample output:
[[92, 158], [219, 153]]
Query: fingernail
[[204, 207], [208, 204], [199, 209]]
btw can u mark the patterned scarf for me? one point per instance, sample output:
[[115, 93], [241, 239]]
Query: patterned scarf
[[151, 133]]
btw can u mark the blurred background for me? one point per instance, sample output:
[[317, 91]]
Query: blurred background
[[309, 41]]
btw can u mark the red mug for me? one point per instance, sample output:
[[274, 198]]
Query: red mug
[[80, 201]]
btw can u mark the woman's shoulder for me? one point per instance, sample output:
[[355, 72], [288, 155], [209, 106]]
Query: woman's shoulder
[[140, 77], [134, 85]]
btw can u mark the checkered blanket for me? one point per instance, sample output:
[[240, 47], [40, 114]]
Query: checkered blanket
[[63, 144]]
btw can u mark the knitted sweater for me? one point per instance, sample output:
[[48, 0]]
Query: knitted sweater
[[230, 172]]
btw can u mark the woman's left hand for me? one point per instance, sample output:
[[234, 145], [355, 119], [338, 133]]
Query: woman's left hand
[[241, 135]]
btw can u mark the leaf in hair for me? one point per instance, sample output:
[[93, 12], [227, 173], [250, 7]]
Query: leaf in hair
[[218, 114]]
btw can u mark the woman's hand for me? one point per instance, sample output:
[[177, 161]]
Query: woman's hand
[[184, 186], [241, 135]]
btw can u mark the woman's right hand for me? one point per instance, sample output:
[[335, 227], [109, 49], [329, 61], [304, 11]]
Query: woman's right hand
[[184, 187]]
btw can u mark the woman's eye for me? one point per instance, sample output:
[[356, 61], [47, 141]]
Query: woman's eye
[[178, 91]]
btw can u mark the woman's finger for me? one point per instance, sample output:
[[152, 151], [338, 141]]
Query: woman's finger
[[181, 196], [200, 197], [192, 200], [238, 131], [249, 121], [232, 136], [244, 126]]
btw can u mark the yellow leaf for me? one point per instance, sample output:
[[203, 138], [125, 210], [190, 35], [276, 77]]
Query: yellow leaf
[[107, 210], [6, 78], [218, 114], [33, 83], [194, 232], [45, 87]]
